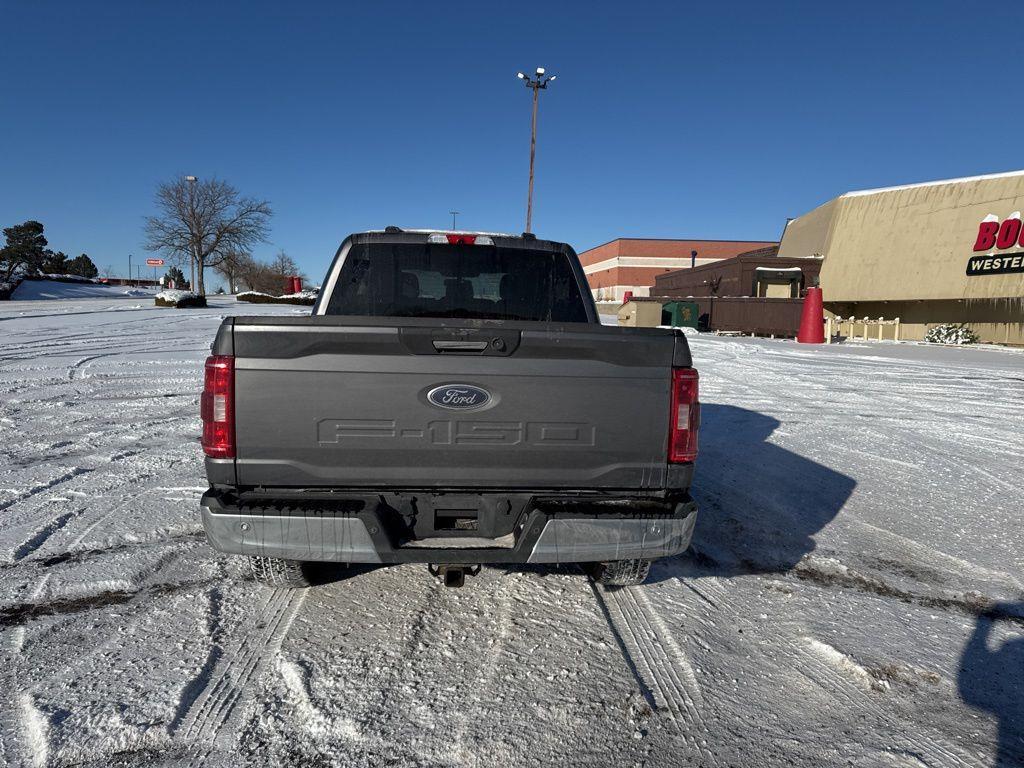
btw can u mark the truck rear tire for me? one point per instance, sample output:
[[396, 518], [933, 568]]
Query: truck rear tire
[[278, 572], [620, 573]]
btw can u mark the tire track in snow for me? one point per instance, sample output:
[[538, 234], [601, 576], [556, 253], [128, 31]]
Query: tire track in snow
[[14, 749], [101, 479], [12, 727], [40, 537], [489, 667], [233, 674], [660, 664], [841, 677], [75, 368], [849, 687], [908, 433], [45, 486]]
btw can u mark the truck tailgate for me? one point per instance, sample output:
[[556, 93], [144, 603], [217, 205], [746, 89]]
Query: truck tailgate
[[323, 403]]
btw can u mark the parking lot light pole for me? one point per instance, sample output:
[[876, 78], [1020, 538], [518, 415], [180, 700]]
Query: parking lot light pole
[[536, 82]]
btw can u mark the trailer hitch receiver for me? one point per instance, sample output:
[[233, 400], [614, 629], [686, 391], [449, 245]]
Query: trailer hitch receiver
[[453, 575]]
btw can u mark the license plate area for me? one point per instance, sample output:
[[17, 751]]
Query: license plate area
[[456, 520]]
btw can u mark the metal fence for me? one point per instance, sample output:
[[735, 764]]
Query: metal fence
[[857, 328], [741, 314]]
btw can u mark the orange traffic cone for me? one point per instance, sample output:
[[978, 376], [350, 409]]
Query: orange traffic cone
[[812, 320]]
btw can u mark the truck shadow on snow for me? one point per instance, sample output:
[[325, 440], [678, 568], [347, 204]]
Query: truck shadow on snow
[[992, 676], [760, 505]]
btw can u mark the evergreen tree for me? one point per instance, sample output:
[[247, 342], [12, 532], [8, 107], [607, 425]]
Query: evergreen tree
[[24, 251], [55, 263], [83, 266], [176, 275]]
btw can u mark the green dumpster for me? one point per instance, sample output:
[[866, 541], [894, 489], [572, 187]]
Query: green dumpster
[[680, 314]]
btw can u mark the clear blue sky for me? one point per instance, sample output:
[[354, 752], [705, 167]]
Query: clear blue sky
[[711, 120]]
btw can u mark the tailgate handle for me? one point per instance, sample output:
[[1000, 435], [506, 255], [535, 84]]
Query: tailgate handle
[[459, 346]]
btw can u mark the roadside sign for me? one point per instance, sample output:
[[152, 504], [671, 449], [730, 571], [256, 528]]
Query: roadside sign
[[154, 262]]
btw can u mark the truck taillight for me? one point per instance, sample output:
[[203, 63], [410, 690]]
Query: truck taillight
[[459, 238], [685, 415], [217, 407]]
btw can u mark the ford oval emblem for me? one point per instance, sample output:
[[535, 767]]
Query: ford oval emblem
[[459, 396]]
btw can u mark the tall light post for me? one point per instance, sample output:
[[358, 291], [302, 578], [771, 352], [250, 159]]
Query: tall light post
[[536, 83], [194, 257], [454, 214]]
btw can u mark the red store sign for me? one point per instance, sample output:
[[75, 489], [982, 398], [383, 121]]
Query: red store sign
[[993, 237]]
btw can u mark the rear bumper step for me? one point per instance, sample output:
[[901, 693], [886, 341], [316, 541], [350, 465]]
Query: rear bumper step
[[367, 535]]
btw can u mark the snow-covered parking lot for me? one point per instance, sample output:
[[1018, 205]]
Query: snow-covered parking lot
[[853, 596]]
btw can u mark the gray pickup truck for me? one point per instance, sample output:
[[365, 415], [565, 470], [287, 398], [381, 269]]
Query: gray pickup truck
[[452, 400]]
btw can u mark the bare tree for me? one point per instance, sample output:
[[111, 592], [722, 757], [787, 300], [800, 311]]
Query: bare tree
[[256, 275], [283, 264], [233, 268], [203, 222]]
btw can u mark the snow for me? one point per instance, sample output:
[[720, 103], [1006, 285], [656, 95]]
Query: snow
[[65, 276], [778, 269], [81, 288], [855, 580], [684, 329], [175, 295], [308, 293], [938, 182]]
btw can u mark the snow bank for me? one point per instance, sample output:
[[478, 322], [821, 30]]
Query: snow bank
[[81, 288], [179, 299], [309, 293], [65, 277], [257, 297], [686, 330], [175, 295]]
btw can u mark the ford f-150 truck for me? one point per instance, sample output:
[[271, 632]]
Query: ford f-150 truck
[[452, 400]]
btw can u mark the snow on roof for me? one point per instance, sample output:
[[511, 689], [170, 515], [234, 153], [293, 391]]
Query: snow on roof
[[444, 232], [1007, 174], [778, 269]]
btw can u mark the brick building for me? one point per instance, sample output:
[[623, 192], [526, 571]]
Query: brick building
[[632, 264], [758, 273]]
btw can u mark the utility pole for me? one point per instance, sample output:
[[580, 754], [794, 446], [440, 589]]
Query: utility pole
[[536, 83], [193, 257], [129, 269], [454, 214]]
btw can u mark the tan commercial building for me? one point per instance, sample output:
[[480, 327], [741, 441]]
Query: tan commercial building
[[932, 253], [631, 264]]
